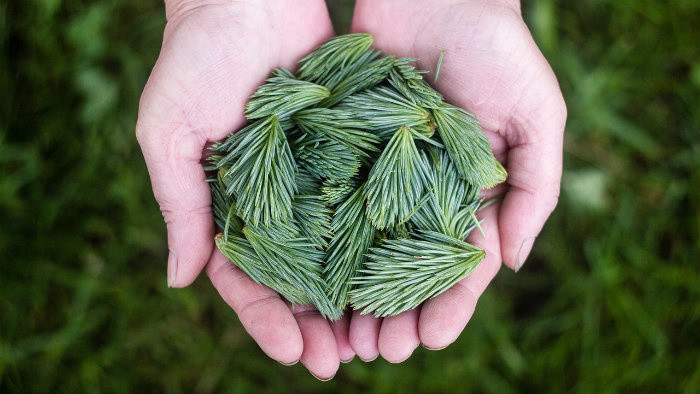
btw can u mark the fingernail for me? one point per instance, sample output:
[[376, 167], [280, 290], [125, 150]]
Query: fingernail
[[172, 268], [434, 348], [348, 360], [370, 360], [288, 364], [524, 250], [323, 380]]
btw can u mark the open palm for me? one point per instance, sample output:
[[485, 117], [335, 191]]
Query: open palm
[[213, 57], [492, 68]]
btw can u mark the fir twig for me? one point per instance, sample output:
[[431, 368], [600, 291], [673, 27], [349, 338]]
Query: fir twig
[[306, 183], [223, 204], [368, 73], [241, 253]]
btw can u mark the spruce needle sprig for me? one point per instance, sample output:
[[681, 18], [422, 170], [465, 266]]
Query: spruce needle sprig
[[396, 181], [450, 204], [262, 172], [306, 183], [401, 274], [325, 158], [384, 110], [339, 126], [313, 218], [353, 234], [283, 95], [468, 147], [223, 204], [406, 79], [335, 59], [335, 192], [368, 74], [241, 253], [297, 261]]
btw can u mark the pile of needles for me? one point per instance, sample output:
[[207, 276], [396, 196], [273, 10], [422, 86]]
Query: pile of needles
[[354, 183]]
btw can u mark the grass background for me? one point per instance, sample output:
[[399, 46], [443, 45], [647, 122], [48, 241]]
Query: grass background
[[609, 301]]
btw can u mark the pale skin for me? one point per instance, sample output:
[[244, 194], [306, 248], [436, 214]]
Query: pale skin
[[213, 56]]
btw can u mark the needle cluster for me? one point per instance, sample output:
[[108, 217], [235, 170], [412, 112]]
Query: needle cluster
[[354, 183]]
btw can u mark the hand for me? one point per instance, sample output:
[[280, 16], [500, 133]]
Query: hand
[[213, 57], [493, 69]]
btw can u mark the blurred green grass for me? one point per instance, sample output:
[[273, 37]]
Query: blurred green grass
[[609, 301]]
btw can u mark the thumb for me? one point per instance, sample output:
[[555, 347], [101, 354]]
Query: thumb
[[173, 157], [534, 174]]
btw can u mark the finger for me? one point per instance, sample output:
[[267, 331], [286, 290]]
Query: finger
[[398, 336], [320, 355], [341, 329], [444, 317], [178, 181], [364, 335], [534, 176], [264, 315]]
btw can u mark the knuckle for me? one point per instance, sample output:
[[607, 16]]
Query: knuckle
[[303, 311], [253, 306]]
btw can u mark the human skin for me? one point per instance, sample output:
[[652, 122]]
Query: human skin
[[214, 55], [492, 68]]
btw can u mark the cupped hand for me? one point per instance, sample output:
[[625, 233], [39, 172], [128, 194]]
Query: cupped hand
[[493, 69], [214, 55]]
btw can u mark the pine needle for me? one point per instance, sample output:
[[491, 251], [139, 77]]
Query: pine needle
[[439, 66]]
